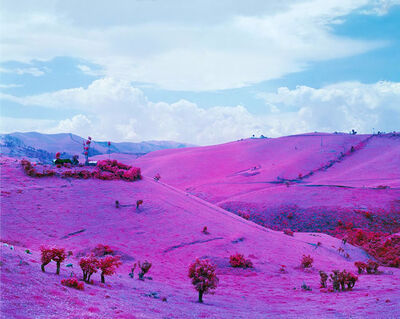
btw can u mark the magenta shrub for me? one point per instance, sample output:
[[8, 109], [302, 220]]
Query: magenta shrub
[[306, 261], [238, 261], [288, 232], [144, 269], [73, 283]]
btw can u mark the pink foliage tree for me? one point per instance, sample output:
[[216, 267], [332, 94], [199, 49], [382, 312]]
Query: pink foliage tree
[[108, 265], [89, 266], [203, 276]]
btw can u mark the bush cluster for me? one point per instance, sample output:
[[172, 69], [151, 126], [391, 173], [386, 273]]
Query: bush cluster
[[342, 280], [112, 169], [371, 267], [238, 261], [383, 247], [106, 265], [244, 215], [30, 170], [288, 232], [73, 283]]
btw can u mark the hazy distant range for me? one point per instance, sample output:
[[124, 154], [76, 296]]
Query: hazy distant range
[[43, 147]]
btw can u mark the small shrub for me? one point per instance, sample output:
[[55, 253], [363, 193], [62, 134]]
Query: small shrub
[[203, 276], [238, 261], [73, 283], [360, 266], [305, 287], [132, 273], [102, 250], [108, 265], [288, 232], [282, 269], [306, 261], [157, 177], [372, 267], [144, 268], [116, 204], [138, 203], [324, 278], [89, 266], [244, 215], [205, 230]]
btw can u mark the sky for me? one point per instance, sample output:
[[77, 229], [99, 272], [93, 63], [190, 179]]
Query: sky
[[199, 71]]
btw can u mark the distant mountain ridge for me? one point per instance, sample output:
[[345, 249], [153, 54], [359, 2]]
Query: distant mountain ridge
[[43, 147]]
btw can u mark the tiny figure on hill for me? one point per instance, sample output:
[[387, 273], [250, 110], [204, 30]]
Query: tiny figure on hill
[[205, 231], [138, 203], [116, 204], [157, 177]]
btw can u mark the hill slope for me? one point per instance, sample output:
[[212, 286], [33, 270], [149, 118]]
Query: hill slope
[[311, 174], [166, 230]]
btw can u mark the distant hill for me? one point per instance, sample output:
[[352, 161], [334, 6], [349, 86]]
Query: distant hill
[[309, 175], [43, 147]]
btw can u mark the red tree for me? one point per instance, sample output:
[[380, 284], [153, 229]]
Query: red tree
[[89, 266], [203, 276], [108, 265], [56, 254]]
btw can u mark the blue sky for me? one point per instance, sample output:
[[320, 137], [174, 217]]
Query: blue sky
[[215, 75]]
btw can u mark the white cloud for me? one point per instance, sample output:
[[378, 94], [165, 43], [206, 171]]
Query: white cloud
[[341, 106], [21, 71], [12, 124], [199, 45], [10, 86], [89, 71], [112, 109], [380, 7]]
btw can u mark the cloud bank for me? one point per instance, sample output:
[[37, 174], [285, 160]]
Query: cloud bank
[[111, 109], [176, 45]]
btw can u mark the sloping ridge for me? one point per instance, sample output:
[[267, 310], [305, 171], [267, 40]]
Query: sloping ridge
[[167, 231]]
